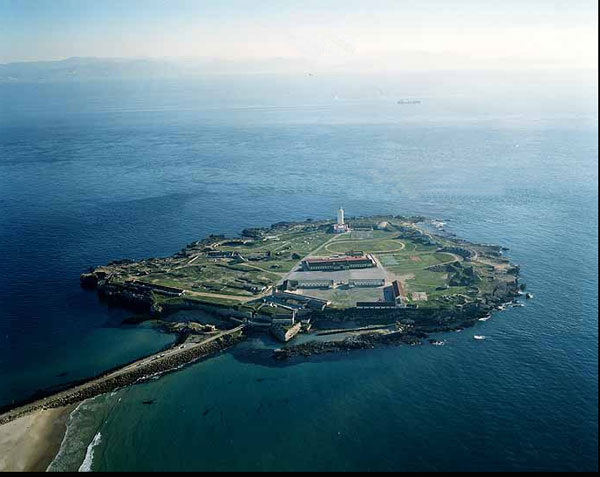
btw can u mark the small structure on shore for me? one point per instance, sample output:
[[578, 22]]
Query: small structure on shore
[[285, 333], [340, 227]]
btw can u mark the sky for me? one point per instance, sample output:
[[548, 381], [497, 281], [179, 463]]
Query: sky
[[330, 34]]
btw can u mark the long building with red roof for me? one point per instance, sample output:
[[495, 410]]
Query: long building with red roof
[[338, 262]]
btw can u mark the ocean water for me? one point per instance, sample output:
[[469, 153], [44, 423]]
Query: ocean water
[[105, 170]]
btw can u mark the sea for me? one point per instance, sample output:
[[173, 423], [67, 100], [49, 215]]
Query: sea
[[105, 169]]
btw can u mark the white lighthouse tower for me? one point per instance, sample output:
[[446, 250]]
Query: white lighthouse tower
[[340, 220], [340, 227]]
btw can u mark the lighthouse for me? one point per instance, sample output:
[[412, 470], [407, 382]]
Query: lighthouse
[[340, 227], [340, 218]]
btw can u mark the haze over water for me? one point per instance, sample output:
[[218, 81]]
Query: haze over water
[[104, 170]]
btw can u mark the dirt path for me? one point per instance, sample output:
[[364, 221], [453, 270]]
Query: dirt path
[[228, 297], [312, 252]]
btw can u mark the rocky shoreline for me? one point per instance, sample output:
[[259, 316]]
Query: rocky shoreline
[[361, 341], [408, 333]]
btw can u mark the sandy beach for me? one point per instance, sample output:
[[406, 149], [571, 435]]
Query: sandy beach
[[31, 442]]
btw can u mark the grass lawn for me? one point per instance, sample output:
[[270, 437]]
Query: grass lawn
[[368, 245], [281, 266], [409, 262]]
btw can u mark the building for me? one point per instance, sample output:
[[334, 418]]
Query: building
[[295, 301], [340, 226], [419, 296], [398, 291], [255, 257], [366, 282], [285, 333], [344, 262], [154, 287], [221, 254], [285, 320], [322, 283]]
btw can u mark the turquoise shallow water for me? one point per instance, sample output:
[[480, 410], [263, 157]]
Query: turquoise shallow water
[[103, 171]]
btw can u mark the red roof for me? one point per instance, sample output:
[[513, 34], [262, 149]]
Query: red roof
[[338, 259]]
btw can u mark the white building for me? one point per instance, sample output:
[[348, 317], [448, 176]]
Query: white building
[[366, 282], [340, 226]]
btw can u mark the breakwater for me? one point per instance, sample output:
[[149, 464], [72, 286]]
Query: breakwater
[[163, 362]]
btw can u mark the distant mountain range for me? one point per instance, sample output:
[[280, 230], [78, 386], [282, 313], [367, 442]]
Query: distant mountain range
[[78, 69]]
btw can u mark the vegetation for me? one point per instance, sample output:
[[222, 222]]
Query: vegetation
[[435, 271]]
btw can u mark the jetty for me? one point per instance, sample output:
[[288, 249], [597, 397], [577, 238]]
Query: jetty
[[137, 371]]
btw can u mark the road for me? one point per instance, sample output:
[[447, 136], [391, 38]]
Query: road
[[216, 295], [296, 265]]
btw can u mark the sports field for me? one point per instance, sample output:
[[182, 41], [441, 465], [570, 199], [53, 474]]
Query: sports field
[[367, 246]]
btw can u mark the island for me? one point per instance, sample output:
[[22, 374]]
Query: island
[[316, 286]]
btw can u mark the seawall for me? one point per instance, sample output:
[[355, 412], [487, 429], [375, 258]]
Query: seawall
[[137, 371]]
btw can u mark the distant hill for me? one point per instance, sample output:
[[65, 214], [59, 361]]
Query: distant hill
[[79, 69]]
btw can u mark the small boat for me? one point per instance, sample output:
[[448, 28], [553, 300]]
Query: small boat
[[479, 337], [435, 342], [529, 295]]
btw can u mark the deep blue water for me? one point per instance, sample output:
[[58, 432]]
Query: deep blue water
[[99, 171]]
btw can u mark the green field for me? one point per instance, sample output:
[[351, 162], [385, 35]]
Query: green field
[[411, 261], [263, 261], [283, 244], [367, 245], [232, 276], [204, 300]]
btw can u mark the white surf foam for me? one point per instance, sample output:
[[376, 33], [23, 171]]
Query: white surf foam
[[86, 465]]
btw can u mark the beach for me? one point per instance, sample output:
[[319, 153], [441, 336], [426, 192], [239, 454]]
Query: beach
[[30, 443]]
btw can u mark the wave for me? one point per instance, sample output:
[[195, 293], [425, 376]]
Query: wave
[[86, 465], [61, 450], [81, 435]]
